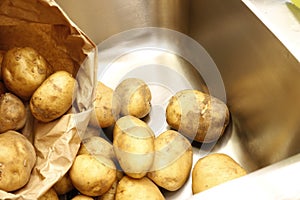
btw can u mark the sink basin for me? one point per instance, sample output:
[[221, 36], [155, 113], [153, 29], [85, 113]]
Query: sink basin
[[259, 69]]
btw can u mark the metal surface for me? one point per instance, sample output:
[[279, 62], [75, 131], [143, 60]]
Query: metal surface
[[260, 74]]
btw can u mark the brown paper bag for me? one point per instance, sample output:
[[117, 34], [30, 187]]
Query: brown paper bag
[[41, 24]]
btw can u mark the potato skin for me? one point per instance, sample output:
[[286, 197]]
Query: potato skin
[[13, 113], [24, 70], [135, 97], [214, 169], [137, 189], [173, 160], [63, 185], [197, 115], [49, 195], [134, 147], [107, 106], [92, 175], [54, 97], [82, 197], [17, 159], [96, 145]]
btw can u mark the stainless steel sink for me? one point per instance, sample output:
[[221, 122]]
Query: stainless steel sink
[[258, 63]]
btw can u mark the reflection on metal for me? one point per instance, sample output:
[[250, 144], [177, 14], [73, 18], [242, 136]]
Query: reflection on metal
[[258, 64]]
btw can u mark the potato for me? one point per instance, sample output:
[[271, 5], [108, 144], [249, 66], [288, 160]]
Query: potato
[[82, 197], [134, 146], [107, 106], [197, 115], [24, 70], [173, 160], [63, 185], [214, 169], [13, 113], [111, 193], [17, 159], [96, 145], [54, 97], [135, 97], [92, 175], [49, 195], [137, 189]]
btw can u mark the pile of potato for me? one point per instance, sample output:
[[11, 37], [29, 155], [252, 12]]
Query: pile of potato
[[136, 164], [28, 86]]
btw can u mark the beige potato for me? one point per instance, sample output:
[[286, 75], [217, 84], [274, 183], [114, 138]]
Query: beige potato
[[111, 193], [173, 160], [82, 197], [96, 145], [13, 113], [54, 97], [197, 115], [17, 159], [92, 175], [214, 169], [107, 106], [63, 185], [49, 195], [135, 97], [134, 146], [24, 70], [138, 189]]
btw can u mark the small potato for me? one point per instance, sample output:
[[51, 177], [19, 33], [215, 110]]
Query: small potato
[[138, 189], [197, 115], [96, 145], [49, 195], [135, 97], [13, 113], [54, 97], [63, 185], [173, 160], [17, 159], [92, 175], [214, 169], [24, 70], [82, 197], [134, 146], [107, 106]]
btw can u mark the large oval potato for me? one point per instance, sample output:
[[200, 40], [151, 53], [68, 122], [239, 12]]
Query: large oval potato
[[54, 97], [173, 160], [134, 146], [92, 175], [107, 106], [13, 113], [197, 115], [214, 169], [135, 97], [17, 159], [137, 189], [24, 70]]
